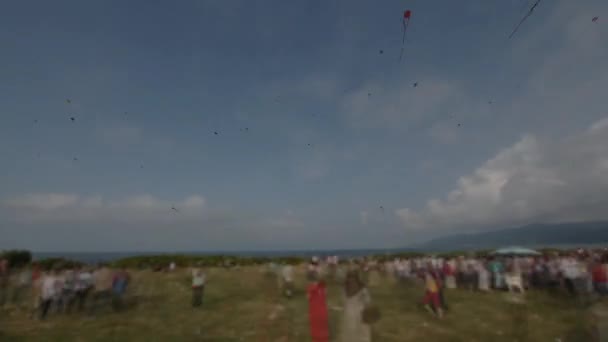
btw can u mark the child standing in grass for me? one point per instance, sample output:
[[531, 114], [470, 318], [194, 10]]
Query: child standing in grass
[[198, 287], [432, 295]]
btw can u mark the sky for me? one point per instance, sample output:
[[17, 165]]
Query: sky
[[239, 125]]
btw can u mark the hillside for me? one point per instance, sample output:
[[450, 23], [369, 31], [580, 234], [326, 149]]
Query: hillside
[[563, 234]]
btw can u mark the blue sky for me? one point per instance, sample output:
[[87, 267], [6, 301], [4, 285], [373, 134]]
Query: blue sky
[[273, 77]]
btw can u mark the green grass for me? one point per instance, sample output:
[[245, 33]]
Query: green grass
[[238, 303]]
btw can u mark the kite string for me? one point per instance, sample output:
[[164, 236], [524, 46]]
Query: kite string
[[524, 18], [403, 38]]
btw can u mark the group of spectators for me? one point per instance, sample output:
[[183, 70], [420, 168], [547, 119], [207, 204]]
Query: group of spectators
[[62, 290], [577, 273]]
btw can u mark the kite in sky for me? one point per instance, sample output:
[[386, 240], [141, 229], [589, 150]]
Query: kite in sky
[[524, 18], [215, 133], [68, 101], [415, 84], [73, 119], [406, 22], [174, 209], [595, 19]]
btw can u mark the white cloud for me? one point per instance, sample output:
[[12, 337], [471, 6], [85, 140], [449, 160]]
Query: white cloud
[[48, 208], [542, 177], [533, 180], [43, 202]]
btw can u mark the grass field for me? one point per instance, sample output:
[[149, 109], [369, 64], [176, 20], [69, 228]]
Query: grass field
[[244, 305]]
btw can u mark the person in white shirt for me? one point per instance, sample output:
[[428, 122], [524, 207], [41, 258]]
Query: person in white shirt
[[48, 293], [198, 287], [84, 283], [571, 271], [287, 277]]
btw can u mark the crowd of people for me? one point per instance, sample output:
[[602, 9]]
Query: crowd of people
[[85, 289], [63, 290]]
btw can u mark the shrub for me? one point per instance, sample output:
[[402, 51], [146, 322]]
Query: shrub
[[17, 258]]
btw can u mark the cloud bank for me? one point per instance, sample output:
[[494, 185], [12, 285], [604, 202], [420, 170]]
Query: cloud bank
[[533, 180]]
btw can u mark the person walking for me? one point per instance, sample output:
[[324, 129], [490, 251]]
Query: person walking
[[354, 328], [198, 287]]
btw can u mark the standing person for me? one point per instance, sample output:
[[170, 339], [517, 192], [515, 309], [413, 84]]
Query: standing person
[[36, 293], [84, 283], [313, 269], [317, 312], [483, 276], [432, 298], [198, 287], [102, 287], [58, 300], [356, 300], [120, 281], [449, 274], [287, 277], [497, 269], [570, 270], [600, 276], [48, 293], [69, 289]]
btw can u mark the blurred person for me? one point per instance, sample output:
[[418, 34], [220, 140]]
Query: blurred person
[[313, 269], [317, 311], [120, 281], [287, 280], [84, 283], [599, 275], [57, 303], [68, 293], [36, 289], [483, 276], [432, 299], [353, 328], [47, 293], [497, 269], [102, 287], [449, 272], [571, 271], [198, 287]]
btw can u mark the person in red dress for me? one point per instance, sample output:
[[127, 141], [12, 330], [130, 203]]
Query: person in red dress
[[317, 312]]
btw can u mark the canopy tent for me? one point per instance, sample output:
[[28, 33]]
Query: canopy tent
[[515, 251]]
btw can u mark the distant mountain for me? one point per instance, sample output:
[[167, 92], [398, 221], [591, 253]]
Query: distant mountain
[[534, 235]]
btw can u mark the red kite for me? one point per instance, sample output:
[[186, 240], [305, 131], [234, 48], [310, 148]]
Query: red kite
[[406, 22]]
